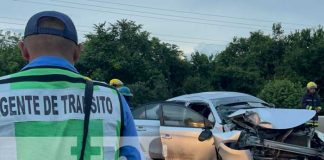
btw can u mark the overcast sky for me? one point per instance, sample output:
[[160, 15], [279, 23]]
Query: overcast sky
[[204, 25]]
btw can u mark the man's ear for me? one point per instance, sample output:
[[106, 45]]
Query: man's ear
[[77, 52], [24, 52]]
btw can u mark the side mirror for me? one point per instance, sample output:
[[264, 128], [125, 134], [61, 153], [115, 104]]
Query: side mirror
[[205, 135]]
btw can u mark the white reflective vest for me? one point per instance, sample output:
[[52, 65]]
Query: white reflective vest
[[41, 117]]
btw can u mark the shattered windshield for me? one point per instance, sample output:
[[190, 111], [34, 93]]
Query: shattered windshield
[[226, 109]]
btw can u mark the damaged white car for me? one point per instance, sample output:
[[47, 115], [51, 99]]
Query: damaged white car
[[225, 125]]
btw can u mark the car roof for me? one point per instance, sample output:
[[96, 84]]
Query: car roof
[[213, 95], [220, 97]]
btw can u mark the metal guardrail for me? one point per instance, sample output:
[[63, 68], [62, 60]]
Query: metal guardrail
[[321, 122]]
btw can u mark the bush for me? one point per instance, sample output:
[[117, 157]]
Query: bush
[[195, 84], [282, 93], [155, 89]]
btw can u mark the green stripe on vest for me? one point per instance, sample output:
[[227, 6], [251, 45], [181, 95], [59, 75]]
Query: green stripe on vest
[[45, 71], [117, 145], [69, 140], [48, 85]]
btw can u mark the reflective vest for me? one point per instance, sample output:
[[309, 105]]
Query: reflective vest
[[314, 121], [312, 102], [41, 117]]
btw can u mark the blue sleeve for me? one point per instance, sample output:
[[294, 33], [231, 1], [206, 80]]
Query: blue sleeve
[[129, 125], [131, 148]]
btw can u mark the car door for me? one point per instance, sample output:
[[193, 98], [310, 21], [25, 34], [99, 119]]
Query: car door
[[180, 129], [147, 122]]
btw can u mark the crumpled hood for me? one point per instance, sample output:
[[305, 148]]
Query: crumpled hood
[[273, 118]]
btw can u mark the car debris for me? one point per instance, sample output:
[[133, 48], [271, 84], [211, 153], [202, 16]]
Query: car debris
[[226, 125], [268, 134]]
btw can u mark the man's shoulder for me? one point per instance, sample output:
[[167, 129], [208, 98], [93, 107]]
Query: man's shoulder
[[8, 76], [5, 77]]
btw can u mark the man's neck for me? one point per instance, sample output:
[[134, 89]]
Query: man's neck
[[50, 61], [55, 55]]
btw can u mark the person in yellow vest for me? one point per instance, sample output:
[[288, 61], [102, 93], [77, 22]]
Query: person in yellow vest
[[311, 101], [50, 111]]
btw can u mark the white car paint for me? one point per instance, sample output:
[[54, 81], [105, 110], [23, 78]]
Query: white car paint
[[148, 131], [182, 142], [275, 117]]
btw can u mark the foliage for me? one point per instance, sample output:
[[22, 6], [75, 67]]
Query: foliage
[[196, 84], [274, 66], [282, 93], [153, 90], [154, 70], [10, 59]]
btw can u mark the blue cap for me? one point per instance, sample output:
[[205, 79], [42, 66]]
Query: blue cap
[[69, 32], [125, 91]]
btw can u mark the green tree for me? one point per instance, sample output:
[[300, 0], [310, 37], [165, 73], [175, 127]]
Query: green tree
[[10, 58], [123, 50], [248, 62], [155, 70], [235, 79], [155, 89], [194, 84], [202, 65], [282, 93], [304, 58]]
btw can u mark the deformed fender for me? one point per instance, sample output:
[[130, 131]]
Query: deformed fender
[[223, 137], [227, 152]]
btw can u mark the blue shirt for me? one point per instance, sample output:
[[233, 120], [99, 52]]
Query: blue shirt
[[128, 150]]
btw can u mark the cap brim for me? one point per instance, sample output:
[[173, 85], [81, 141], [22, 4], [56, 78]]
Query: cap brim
[[129, 95]]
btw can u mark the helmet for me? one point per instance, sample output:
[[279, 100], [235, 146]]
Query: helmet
[[311, 85], [116, 82], [125, 91]]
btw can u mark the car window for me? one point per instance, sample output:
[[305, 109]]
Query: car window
[[203, 109], [148, 111], [152, 112], [139, 113], [180, 116]]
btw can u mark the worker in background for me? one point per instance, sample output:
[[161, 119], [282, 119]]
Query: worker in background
[[126, 92], [311, 101], [116, 83]]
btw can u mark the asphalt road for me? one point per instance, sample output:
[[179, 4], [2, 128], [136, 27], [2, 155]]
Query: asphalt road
[[321, 122]]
